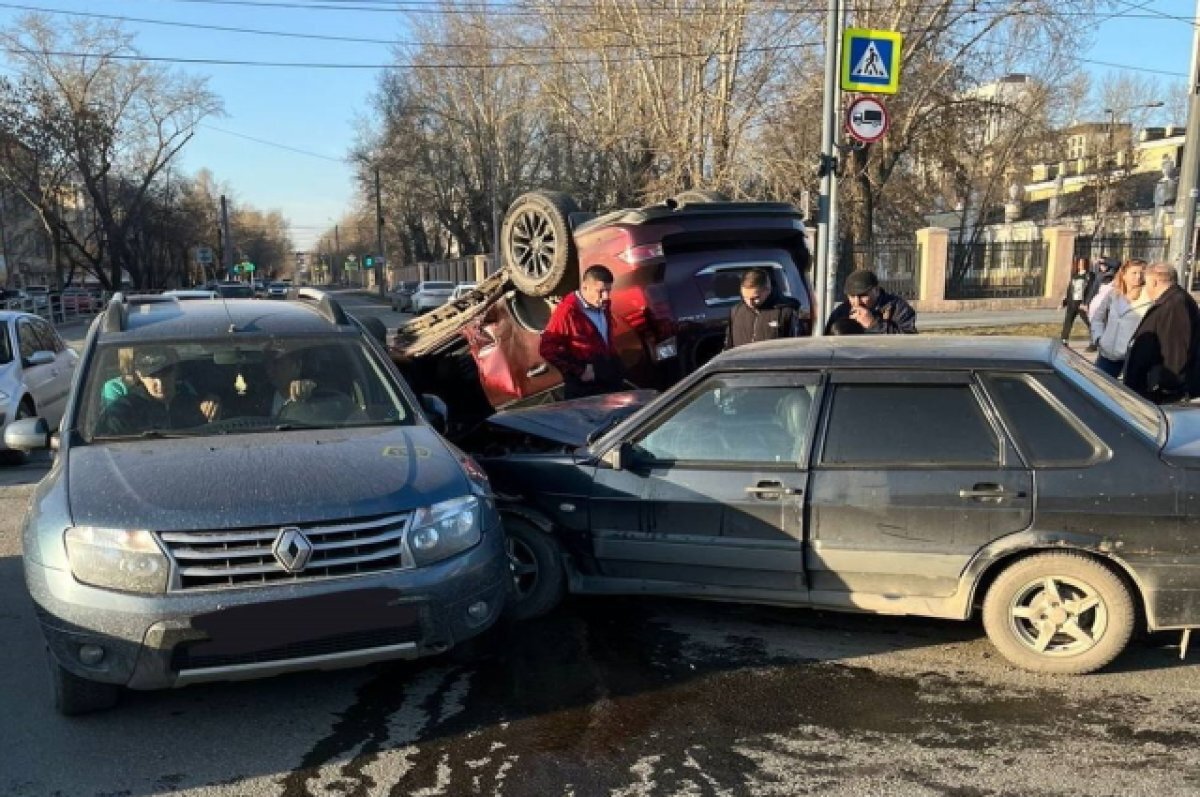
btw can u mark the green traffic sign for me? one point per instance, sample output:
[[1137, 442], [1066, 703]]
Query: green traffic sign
[[248, 267]]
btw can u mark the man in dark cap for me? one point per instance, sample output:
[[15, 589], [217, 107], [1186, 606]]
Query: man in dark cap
[[876, 310], [154, 403], [762, 314]]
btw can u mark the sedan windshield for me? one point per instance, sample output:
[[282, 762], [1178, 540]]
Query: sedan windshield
[[239, 386]]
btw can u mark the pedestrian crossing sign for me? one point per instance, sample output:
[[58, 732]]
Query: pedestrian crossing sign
[[871, 60]]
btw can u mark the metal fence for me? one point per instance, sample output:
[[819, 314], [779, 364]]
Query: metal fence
[[1121, 248], [996, 270], [896, 263], [55, 308]]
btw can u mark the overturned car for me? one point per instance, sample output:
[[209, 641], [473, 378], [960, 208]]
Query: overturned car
[[1001, 479], [677, 267]]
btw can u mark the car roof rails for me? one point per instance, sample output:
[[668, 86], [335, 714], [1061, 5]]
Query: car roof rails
[[116, 317], [325, 304]]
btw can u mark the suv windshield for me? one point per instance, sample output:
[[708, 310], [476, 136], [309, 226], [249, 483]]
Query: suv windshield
[[228, 386], [235, 291]]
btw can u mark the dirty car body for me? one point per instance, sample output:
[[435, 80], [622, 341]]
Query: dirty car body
[[315, 522], [957, 478]]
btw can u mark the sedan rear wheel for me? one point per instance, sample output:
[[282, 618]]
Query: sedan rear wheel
[[537, 569], [1059, 613]]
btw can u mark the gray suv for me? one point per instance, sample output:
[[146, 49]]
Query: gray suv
[[243, 489]]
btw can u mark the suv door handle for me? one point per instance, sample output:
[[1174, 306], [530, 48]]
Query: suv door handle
[[772, 490]]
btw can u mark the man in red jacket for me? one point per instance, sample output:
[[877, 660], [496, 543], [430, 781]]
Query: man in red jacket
[[578, 341]]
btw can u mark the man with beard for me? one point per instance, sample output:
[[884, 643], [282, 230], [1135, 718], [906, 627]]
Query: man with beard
[[879, 312], [762, 314]]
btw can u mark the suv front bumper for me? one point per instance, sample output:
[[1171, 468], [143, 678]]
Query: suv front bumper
[[162, 641]]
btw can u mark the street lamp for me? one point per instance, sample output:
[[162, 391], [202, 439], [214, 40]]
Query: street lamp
[[1110, 164]]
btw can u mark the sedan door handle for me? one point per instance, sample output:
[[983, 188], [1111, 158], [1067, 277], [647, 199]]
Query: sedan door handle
[[984, 492], [772, 490]]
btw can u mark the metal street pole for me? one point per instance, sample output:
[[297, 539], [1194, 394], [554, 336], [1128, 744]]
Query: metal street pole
[[827, 203], [381, 255], [1183, 237]]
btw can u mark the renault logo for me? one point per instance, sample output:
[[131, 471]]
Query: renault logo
[[292, 549]]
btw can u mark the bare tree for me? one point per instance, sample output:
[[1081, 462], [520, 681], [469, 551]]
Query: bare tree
[[115, 121]]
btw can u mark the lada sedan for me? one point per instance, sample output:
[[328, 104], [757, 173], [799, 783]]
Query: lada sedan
[[1005, 480]]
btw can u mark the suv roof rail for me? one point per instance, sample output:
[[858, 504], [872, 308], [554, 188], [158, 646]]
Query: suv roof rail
[[116, 317], [326, 305]]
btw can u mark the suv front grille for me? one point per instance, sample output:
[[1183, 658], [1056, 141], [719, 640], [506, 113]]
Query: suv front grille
[[246, 557]]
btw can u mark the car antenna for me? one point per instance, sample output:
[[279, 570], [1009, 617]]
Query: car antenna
[[225, 303]]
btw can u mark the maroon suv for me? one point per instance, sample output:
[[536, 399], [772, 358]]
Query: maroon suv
[[677, 267]]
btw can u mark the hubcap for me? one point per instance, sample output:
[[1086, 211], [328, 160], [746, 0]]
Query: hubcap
[[1058, 616], [532, 246], [523, 565]]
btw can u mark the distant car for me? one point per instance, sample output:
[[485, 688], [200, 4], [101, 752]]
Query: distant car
[[235, 290], [192, 294], [461, 290], [431, 295], [78, 300], [40, 294], [278, 290], [36, 369], [401, 296]]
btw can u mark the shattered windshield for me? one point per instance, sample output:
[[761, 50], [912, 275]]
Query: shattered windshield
[[226, 386]]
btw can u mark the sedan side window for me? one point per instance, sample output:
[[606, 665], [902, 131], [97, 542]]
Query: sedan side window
[[725, 423], [50, 341], [908, 425], [1047, 433]]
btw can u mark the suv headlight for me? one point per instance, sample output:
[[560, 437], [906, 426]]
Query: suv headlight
[[443, 530], [120, 559]]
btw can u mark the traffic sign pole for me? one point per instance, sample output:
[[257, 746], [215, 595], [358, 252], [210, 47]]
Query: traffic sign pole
[[825, 269]]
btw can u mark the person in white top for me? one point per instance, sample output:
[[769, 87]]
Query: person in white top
[[1116, 316]]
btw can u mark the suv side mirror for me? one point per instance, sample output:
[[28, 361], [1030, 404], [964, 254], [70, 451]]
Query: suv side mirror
[[27, 434], [40, 358], [437, 411]]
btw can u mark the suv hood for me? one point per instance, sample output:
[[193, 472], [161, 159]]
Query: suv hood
[[570, 422], [260, 479]]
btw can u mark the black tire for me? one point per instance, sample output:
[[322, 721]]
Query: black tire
[[11, 456], [537, 245], [539, 578], [74, 695], [698, 197], [1060, 613]]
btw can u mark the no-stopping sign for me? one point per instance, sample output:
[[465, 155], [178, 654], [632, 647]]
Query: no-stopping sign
[[867, 120]]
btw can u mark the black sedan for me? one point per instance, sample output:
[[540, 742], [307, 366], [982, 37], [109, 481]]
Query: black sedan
[[1002, 479]]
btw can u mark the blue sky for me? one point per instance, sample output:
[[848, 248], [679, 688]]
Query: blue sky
[[317, 111]]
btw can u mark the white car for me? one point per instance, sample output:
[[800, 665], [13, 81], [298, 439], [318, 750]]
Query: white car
[[431, 295], [36, 369], [461, 290]]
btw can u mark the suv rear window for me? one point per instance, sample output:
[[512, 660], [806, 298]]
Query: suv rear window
[[237, 387]]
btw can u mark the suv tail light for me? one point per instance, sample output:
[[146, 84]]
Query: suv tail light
[[640, 254]]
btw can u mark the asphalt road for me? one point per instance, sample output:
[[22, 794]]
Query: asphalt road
[[623, 698]]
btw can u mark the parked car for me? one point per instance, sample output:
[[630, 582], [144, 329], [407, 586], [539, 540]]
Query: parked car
[[677, 266], [235, 290], [966, 478], [430, 295], [401, 296], [36, 369], [461, 290], [278, 290], [368, 537], [78, 300]]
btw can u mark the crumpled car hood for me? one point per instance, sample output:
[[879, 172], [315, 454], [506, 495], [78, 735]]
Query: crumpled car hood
[[569, 422], [260, 479]]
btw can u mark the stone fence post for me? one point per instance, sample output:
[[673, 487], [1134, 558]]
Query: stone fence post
[[935, 248]]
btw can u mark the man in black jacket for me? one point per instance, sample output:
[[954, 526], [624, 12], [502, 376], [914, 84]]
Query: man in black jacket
[[762, 314], [879, 312], [1161, 363], [154, 402]]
